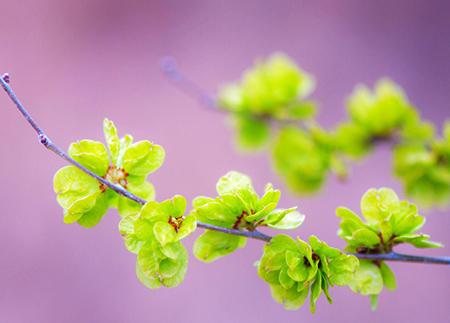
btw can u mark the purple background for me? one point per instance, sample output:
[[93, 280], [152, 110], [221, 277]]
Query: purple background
[[75, 62]]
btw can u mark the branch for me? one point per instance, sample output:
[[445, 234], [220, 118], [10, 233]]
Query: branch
[[249, 234], [169, 67], [393, 256], [45, 140]]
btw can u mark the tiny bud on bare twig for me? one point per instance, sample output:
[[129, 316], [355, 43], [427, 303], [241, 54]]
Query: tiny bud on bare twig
[[6, 78]]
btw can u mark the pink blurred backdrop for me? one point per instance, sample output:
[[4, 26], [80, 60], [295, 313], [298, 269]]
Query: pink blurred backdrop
[[75, 62]]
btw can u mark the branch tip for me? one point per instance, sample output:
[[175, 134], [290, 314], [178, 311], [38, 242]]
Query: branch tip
[[169, 66], [6, 77]]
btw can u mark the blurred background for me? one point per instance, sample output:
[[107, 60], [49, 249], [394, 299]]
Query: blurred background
[[75, 62]]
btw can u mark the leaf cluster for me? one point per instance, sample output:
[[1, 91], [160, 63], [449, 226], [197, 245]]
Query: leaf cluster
[[154, 234], [274, 91], [239, 207], [387, 223], [293, 269], [121, 162], [423, 165]]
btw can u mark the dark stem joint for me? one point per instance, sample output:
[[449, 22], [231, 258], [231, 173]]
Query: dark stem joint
[[43, 139], [6, 78]]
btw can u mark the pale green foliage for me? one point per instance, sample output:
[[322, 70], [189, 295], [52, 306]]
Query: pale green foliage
[[272, 88], [424, 167], [159, 265], [238, 206], [251, 132], [302, 158], [123, 163], [165, 221], [382, 112], [370, 278], [154, 235], [212, 245], [388, 222], [273, 92], [293, 269]]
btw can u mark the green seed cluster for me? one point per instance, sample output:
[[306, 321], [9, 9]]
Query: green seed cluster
[[238, 206], [388, 223], [293, 269], [304, 154]]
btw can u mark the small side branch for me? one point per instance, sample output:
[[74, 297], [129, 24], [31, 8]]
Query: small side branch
[[169, 67], [45, 140]]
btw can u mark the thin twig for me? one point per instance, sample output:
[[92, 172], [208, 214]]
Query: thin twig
[[393, 256], [249, 234], [169, 67], [45, 140]]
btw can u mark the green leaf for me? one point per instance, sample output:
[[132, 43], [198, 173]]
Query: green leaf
[[238, 187], [301, 158], [80, 208], [77, 193], [377, 204], [325, 288], [215, 212], [388, 277], [406, 220], [112, 139], [125, 143], [71, 184], [187, 227], [381, 112], [178, 205], [212, 245], [91, 154], [143, 228], [271, 197], [289, 221], [164, 233], [316, 290], [367, 279], [373, 302], [302, 110], [92, 217], [151, 212], [366, 237], [350, 222], [418, 241], [143, 158], [233, 182], [352, 139], [285, 280], [342, 269], [252, 133], [155, 269], [126, 229], [292, 298]]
